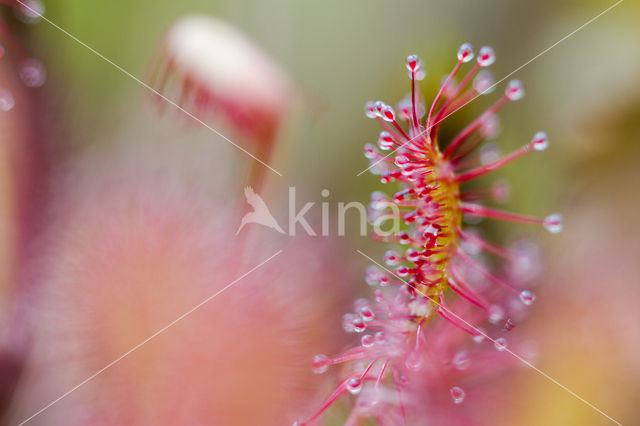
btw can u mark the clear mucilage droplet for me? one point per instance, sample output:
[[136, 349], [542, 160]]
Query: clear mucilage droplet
[[412, 255], [32, 73], [480, 336], [514, 90], [509, 325], [484, 83], [370, 151], [413, 361], [457, 394], [29, 11], [461, 360], [490, 128], [387, 113], [415, 67], [486, 56], [370, 109], [6, 100], [496, 314], [465, 53], [553, 223], [359, 325], [385, 141], [501, 191], [320, 364], [413, 63], [489, 153], [354, 385], [373, 275], [366, 313], [347, 322], [404, 237], [527, 297], [367, 341], [391, 258], [500, 344], [540, 141], [402, 161], [403, 271]]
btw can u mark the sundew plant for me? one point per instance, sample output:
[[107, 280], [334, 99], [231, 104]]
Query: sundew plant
[[400, 362]]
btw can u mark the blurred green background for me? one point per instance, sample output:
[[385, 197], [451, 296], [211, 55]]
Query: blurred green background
[[584, 92]]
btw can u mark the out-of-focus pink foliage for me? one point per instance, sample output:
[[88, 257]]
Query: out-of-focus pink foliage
[[130, 247]]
